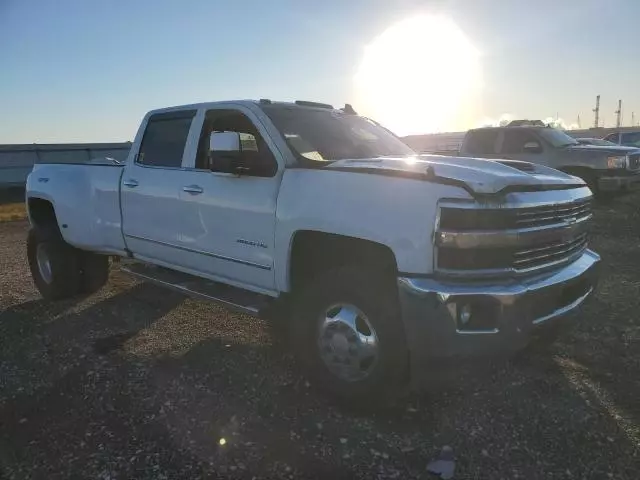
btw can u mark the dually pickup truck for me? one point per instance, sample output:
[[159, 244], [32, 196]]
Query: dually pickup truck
[[606, 169], [381, 261]]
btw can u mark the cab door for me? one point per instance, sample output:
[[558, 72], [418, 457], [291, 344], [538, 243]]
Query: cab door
[[150, 189], [521, 144], [227, 218]]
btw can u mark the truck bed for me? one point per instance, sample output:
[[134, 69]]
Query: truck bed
[[86, 201]]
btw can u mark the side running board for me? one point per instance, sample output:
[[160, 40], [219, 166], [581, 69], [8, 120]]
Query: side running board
[[233, 298]]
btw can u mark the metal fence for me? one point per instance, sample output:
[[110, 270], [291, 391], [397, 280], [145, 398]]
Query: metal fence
[[16, 161]]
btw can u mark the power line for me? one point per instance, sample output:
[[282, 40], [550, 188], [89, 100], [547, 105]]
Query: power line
[[596, 110]]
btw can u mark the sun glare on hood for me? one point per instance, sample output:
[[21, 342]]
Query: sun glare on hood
[[414, 75]]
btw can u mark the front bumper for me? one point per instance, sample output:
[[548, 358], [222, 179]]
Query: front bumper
[[430, 311], [619, 183]]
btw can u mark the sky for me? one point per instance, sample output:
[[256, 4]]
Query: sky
[[87, 71]]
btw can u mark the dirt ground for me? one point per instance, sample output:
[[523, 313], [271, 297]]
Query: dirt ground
[[139, 382]]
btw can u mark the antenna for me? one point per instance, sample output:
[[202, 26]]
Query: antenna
[[596, 110], [618, 113]]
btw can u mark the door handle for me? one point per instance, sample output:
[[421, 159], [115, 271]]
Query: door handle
[[131, 183], [193, 189]]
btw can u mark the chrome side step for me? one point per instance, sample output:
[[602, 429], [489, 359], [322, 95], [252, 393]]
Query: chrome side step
[[233, 298]]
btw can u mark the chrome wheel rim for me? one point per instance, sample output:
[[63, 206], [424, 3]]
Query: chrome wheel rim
[[44, 263], [348, 344]]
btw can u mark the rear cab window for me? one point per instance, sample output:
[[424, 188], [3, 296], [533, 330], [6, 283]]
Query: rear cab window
[[164, 139]]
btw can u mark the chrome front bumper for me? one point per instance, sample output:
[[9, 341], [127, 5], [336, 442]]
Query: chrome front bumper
[[512, 312]]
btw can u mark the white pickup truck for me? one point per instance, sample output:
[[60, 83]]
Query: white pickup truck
[[382, 262]]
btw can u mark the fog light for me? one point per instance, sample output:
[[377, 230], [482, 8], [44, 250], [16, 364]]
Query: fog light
[[464, 314]]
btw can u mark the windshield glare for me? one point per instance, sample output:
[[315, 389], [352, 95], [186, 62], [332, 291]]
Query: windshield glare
[[327, 135], [557, 138]]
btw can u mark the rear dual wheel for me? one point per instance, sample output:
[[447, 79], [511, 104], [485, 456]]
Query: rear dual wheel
[[60, 270]]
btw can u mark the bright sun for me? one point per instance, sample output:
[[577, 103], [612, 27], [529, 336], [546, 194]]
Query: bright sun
[[415, 75]]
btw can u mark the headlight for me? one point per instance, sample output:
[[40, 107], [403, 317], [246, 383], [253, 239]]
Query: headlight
[[617, 162]]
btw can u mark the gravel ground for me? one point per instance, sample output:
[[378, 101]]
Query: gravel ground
[[138, 382]]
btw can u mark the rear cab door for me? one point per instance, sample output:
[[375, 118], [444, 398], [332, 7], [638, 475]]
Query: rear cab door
[[151, 185]]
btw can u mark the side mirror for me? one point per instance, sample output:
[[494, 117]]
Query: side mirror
[[532, 147], [224, 142], [225, 151]]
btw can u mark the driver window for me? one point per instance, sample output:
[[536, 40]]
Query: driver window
[[612, 137], [515, 140], [256, 154]]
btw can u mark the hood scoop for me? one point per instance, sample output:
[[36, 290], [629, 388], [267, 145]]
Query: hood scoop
[[522, 166]]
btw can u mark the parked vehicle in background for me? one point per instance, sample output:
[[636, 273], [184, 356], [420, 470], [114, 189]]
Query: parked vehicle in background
[[600, 142], [379, 260], [625, 138], [606, 169]]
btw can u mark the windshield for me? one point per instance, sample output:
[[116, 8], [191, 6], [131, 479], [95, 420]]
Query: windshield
[[326, 135], [557, 138], [631, 139]]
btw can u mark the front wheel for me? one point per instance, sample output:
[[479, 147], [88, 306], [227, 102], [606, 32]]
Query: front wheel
[[347, 333], [53, 264]]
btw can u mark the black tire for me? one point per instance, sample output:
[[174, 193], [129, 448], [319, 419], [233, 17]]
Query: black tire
[[375, 296], [63, 281], [592, 182], [94, 271]]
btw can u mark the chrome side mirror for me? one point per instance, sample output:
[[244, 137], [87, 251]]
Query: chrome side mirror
[[224, 142], [532, 147]]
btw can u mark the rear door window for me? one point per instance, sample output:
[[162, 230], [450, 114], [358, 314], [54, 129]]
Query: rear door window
[[165, 138]]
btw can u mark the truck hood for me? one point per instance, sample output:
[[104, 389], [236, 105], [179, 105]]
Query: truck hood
[[477, 175], [603, 150]]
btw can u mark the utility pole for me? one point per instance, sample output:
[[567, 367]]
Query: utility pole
[[578, 122], [596, 110], [633, 119]]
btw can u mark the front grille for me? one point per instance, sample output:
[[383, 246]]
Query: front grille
[[550, 214], [511, 258], [634, 161], [549, 254], [472, 239], [470, 219]]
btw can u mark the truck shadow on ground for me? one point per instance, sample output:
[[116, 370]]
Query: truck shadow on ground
[[145, 381]]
